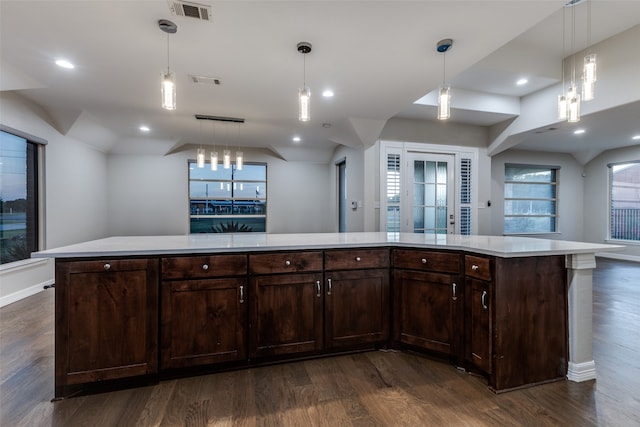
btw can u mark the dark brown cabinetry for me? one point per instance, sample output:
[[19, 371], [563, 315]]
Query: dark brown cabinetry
[[516, 319], [106, 321], [286, 303], [356, 297], [478, 282], [429, 300], [204, 310]]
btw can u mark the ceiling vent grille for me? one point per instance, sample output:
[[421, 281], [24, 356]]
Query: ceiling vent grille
[[204, 80], [191, 9]]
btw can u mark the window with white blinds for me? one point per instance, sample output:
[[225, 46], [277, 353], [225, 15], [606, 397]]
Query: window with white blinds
[[465, 196], [393, 192]]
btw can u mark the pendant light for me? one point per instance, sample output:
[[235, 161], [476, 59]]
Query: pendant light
[[563, 107], [226, 154], [214, 153], [589, 64], [444, 93], [168, 82], [239, 155], [573, 97], [304, 94]]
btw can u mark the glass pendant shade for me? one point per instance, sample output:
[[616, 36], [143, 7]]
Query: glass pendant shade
[[214, 160], [226, 159], [562, 107], [444, 102], [588, 90], [304, 105], [589, 69], [573, 105], [168, 89], [200, 157], [239, 160]]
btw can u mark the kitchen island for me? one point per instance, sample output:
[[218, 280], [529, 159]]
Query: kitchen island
[[515, 309]]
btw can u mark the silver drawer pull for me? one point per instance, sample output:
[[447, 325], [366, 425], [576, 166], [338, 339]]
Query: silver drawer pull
[[329, 290], [287, 263], [482, 300], [424, 260], [318, 290], [474, 267], [455, 297], [358, 259], [205, 267], [241, 294], [107, 266]]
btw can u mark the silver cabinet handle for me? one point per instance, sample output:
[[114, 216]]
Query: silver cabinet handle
[[107, 266], [482, 300], [357, 259], [241, 294], [455, 297], [205, 267], [424, 260], [329, 283], [475, 267], [318, 290], [287, 263]]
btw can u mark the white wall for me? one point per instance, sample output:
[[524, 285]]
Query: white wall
[[75, 205], [355, 188], [149, 195], [596, 198], [570, 191]]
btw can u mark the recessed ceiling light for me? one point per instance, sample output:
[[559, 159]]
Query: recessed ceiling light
[[635, 137], [144, 128], [522, 82], [64, 64], [578, 131], [296, 139], [328, 93]]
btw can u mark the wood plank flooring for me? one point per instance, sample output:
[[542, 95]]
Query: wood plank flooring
[[367, 389]]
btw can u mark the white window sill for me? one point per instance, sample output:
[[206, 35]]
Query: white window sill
[[22, 264]]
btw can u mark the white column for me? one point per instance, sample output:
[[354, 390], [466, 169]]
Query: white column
[[582, 367]]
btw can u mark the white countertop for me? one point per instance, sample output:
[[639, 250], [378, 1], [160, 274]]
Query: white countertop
[[503, 246]]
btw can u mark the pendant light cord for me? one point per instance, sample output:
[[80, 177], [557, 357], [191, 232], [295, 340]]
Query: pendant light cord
[[168, 57], [564, 46], [573, 45]]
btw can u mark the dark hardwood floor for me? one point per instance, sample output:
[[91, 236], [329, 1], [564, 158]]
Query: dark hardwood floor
[[366, 389]]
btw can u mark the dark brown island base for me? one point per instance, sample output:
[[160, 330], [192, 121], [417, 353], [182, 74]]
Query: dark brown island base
[[140, 315]]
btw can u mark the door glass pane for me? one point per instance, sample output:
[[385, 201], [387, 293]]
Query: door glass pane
[[442, 218], [418, 171], [431, 195], [418, 194], [442, 195], [442, 172], [430, 172], [418, 218], [430, 220]]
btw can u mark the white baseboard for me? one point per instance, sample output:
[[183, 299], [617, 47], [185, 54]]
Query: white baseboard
[[622, 257], [584, 371], [23, 293]]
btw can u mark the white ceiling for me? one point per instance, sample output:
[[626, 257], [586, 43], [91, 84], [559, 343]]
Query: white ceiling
[[377, 56]]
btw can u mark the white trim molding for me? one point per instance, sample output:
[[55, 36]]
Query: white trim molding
[[23, 293], [584, 371]]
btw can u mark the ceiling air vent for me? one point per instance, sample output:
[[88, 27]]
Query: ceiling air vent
[[204, 80], [191, 9]]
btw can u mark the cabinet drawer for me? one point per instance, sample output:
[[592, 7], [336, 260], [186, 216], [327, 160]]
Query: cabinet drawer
[[355, 259], [204, 266], [477, 267], [111, 265], [444, 262], [285, 262]]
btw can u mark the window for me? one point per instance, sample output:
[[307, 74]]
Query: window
[[624, 201], [530, 199], [393, 192], [228, 200], [18, 197]]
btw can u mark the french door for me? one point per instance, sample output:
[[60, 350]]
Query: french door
[[430, 202]]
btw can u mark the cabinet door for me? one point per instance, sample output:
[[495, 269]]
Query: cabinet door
[[286, 314], [357, 307], [479, 308], [429, 307], [106, 320], [203, 321]]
